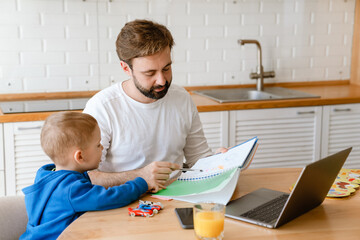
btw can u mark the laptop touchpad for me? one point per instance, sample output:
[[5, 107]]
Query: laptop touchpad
[[251, 201]]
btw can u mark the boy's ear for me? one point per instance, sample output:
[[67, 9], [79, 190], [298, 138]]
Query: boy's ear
[[78, 157], [126, 68]]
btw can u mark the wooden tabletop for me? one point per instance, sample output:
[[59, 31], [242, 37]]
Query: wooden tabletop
[[334, 219]]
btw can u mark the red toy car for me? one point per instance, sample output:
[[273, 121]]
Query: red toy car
[[154, 208], [140, 212]]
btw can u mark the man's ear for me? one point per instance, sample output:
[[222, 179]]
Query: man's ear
[[126, 68], [78, 157]]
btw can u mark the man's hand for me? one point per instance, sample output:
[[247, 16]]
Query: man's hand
[[156, 174], [221, 150]]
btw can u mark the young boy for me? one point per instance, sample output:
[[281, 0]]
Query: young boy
[[62, 192]]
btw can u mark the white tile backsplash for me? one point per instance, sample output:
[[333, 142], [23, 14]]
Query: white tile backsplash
[[65, 45], [242, 7], [78, 7], [17, 18], [85, 83], [208, 78], [223, 20], [19, 45], [39, 6], [205, 55], [68, 70], [309, 74], [22, 71], [9, 32], [185, 20], [82, 57], [59, 20], [42, 84], [206, 32], [12, 84], [9, 58], [42, 58], [69, 45], [259, 19], [205, 7]]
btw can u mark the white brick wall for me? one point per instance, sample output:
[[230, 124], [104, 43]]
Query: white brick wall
[[69, 45]]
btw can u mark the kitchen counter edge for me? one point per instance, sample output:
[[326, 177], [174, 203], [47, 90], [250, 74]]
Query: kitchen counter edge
[[330, 92]]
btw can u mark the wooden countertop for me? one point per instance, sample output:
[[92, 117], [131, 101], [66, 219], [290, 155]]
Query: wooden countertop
[[333, 219], [334, 92], [330, 92]]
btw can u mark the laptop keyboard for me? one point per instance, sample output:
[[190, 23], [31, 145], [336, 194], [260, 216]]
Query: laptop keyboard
[[268, 211]]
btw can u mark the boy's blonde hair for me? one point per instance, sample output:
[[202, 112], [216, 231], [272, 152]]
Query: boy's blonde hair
[[64, 130]]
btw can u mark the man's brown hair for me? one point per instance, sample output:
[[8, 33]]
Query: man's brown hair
[[141, 38], [64, 130]]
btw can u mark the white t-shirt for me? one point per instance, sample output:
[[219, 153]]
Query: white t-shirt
[[135, 134]]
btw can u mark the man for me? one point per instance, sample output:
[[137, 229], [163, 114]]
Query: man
[[148, 125]]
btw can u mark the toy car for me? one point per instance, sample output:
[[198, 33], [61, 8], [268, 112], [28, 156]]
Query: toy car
[[140, 212], [151, 203], [154, 208]]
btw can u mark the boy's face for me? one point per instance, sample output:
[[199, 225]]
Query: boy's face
[[92, 154]]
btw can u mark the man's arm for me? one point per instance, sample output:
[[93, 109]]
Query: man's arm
[[196, 146], [156, 174]]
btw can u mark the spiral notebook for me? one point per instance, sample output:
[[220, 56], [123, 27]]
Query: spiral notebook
[[220, 172]]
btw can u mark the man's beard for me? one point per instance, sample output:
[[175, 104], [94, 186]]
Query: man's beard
[[151, 93]]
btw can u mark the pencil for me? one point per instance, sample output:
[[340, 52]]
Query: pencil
[[190, 169]]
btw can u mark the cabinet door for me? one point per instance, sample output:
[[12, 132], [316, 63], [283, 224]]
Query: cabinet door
[[23, 155], [215, 125], [341, 129], [2, 175], [288, 137]]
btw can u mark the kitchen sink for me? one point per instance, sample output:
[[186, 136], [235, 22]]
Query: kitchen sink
[[251, 94]]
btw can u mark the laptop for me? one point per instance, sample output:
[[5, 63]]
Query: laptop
[[270, 208]]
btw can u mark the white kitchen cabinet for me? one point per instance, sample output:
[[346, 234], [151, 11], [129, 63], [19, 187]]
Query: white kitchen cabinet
[[215, 125], [2, 163], [23, 154], [341, 129], [288, 137]]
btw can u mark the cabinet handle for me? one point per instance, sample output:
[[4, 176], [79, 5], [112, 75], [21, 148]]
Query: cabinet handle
[[342, 109], [28, 128], [309, 112]]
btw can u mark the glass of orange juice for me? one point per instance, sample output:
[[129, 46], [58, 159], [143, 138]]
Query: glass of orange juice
[[209, 221]]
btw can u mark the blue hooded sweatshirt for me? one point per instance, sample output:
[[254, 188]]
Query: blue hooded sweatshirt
[[57, 198]]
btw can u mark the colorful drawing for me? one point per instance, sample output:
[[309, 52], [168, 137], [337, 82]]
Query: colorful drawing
[[335, 192], [345, 184], [348, 179]]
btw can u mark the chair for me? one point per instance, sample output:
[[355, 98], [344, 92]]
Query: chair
[[13, 217]]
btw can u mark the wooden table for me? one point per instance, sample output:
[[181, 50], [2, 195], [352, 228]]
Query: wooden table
[[334, 219]]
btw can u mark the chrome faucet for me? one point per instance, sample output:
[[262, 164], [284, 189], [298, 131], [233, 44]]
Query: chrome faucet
[[260, 74]]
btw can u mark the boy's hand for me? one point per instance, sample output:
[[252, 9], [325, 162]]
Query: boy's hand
[[157, 174]]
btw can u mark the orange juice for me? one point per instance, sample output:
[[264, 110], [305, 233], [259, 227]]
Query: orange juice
[[209, 224]]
